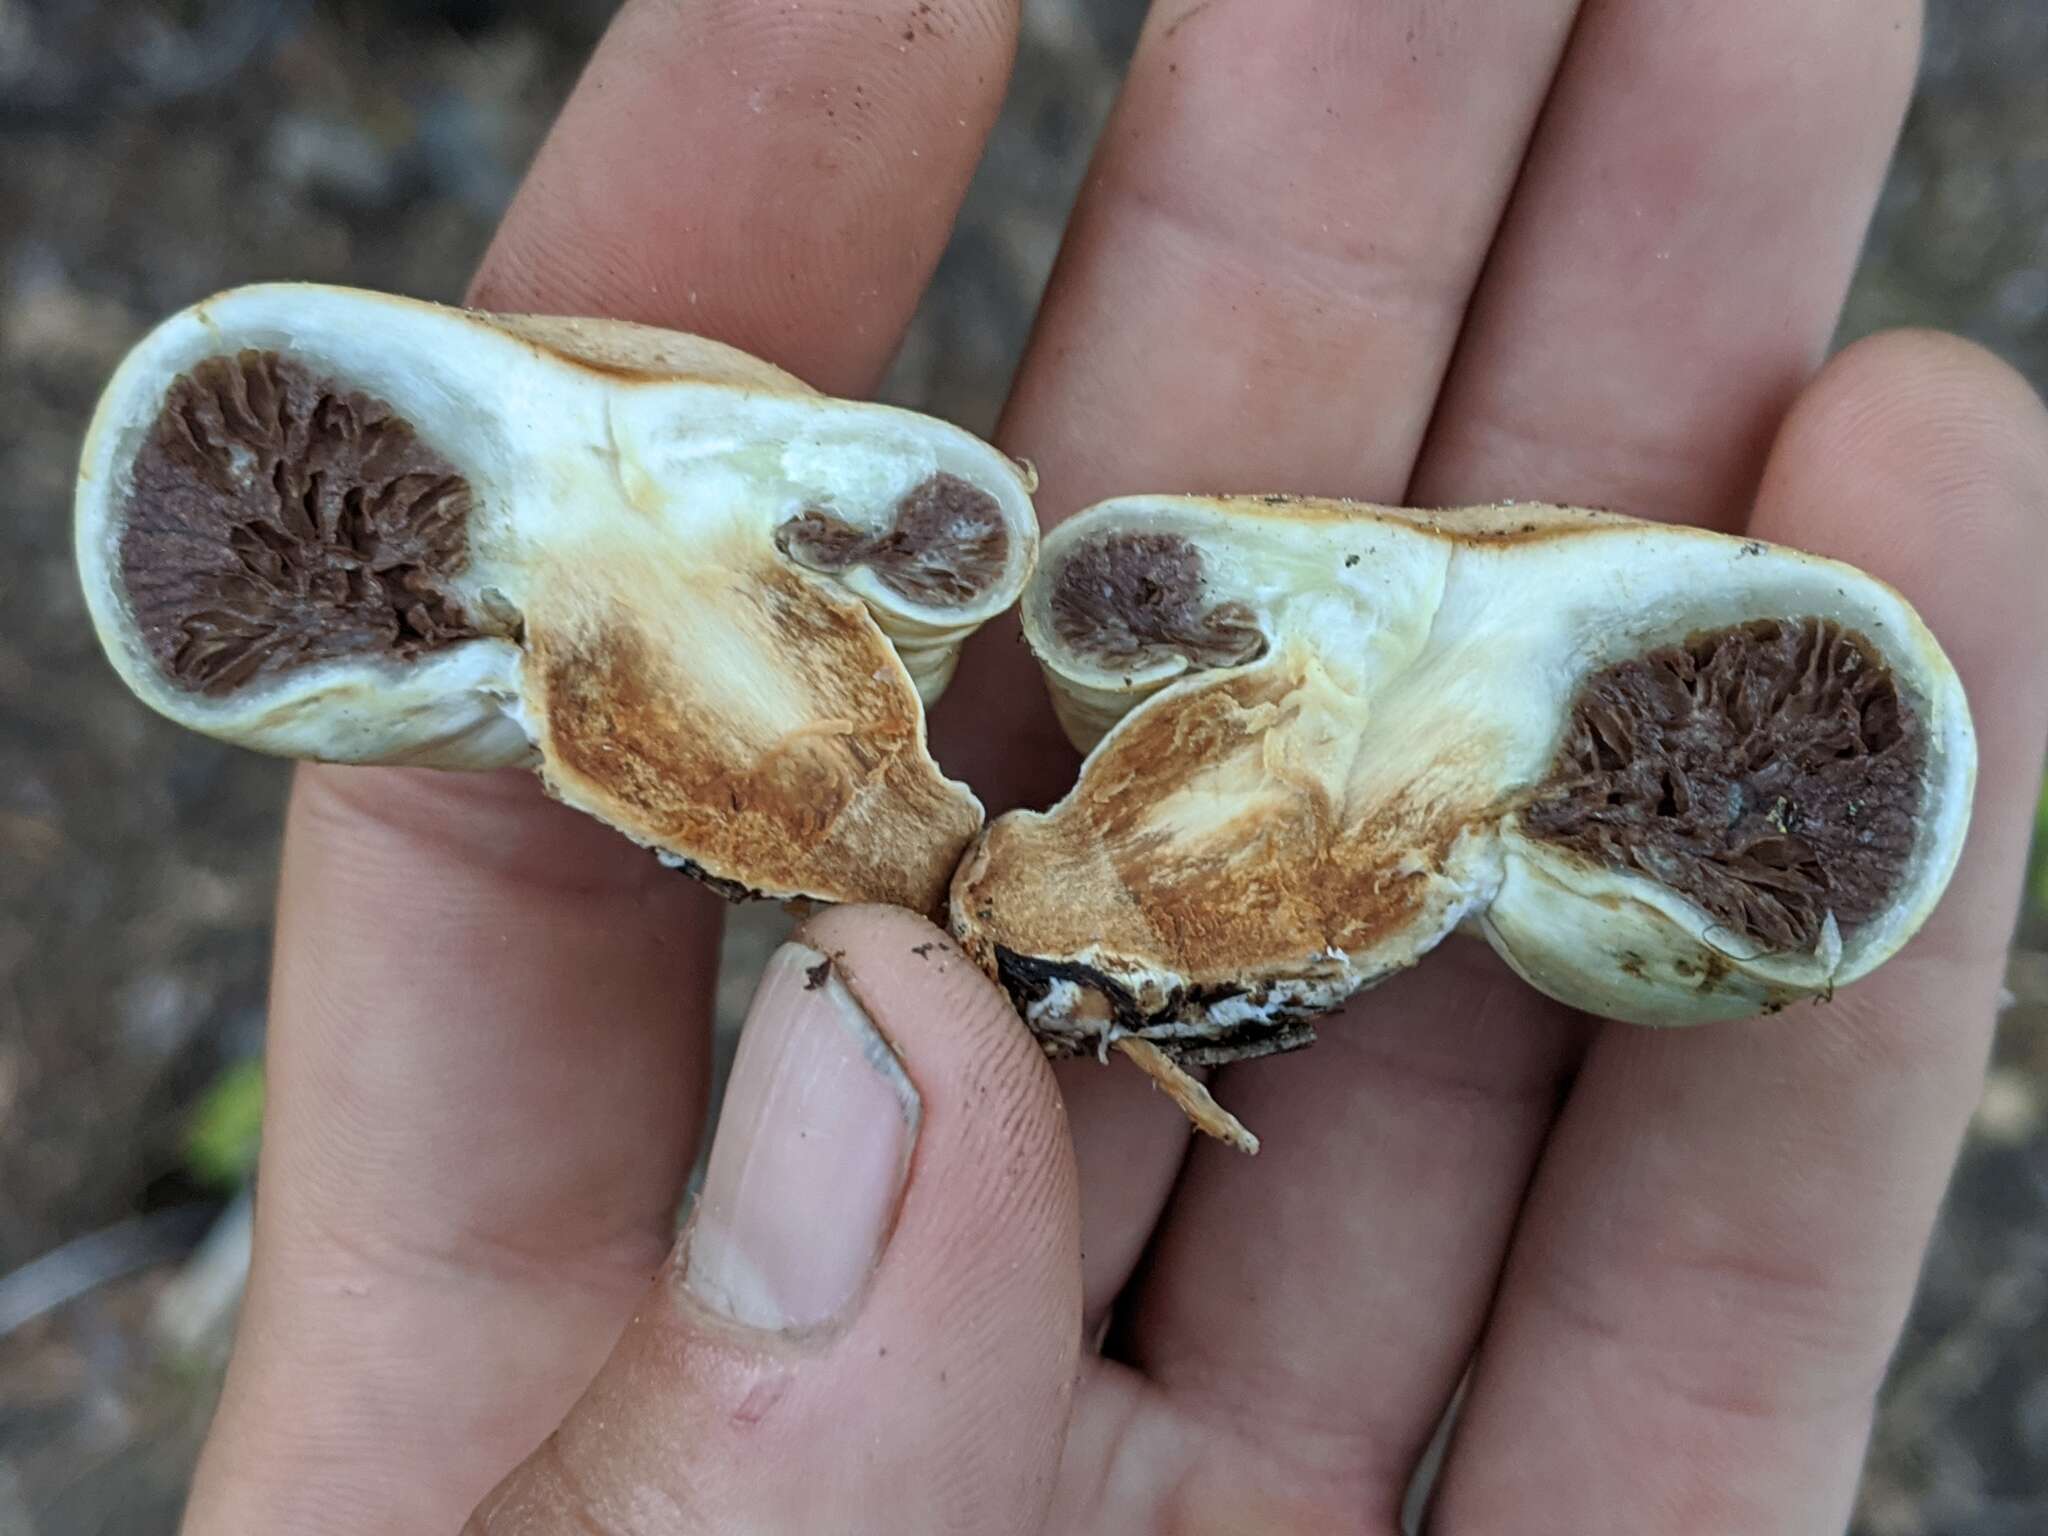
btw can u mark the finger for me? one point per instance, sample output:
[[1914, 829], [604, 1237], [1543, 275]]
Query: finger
[[1725, 1232], [874, 1319], [1414, 1125], [778, 177], [485, 1064], [1260, 289], [1338, 1281], [1677, 254], [488, 1036], [1264, 280]]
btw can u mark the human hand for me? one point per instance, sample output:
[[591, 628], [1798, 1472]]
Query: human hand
[[1411, 252]]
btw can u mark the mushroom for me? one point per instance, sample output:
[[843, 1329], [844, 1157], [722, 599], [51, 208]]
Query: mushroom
[[705, 601], [1670, 775]]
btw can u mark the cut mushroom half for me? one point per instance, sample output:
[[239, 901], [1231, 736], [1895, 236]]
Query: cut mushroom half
[[1671, 776], [706, 602]]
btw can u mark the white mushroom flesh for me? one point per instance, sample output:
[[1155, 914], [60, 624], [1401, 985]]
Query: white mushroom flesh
[[707, 603], [1671, 776]]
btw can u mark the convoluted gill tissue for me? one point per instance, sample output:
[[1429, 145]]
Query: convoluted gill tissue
[[707, 603], [1671, 776]]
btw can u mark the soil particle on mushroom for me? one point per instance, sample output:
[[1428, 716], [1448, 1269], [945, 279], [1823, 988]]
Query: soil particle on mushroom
[[1772, 773], [277, 519]]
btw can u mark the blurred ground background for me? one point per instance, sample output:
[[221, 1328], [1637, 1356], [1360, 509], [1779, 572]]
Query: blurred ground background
[[150, 153]]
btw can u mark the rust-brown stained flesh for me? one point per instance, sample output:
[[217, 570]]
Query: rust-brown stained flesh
[[1671, 776], [825, 790]]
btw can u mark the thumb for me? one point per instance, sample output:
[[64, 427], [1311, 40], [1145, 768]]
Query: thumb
[[873, 1319]]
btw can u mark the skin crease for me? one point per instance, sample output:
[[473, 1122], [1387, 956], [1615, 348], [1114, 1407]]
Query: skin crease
[[1586, 254]]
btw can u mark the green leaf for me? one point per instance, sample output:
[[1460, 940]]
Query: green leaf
[[2039, 888], [221, 1136]]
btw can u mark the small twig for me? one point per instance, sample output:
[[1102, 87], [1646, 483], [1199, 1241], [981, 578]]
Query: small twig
[[192, 1311], [1194, 1099], [84, 1264]]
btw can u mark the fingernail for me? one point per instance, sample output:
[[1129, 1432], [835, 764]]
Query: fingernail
[[808, 1163]]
